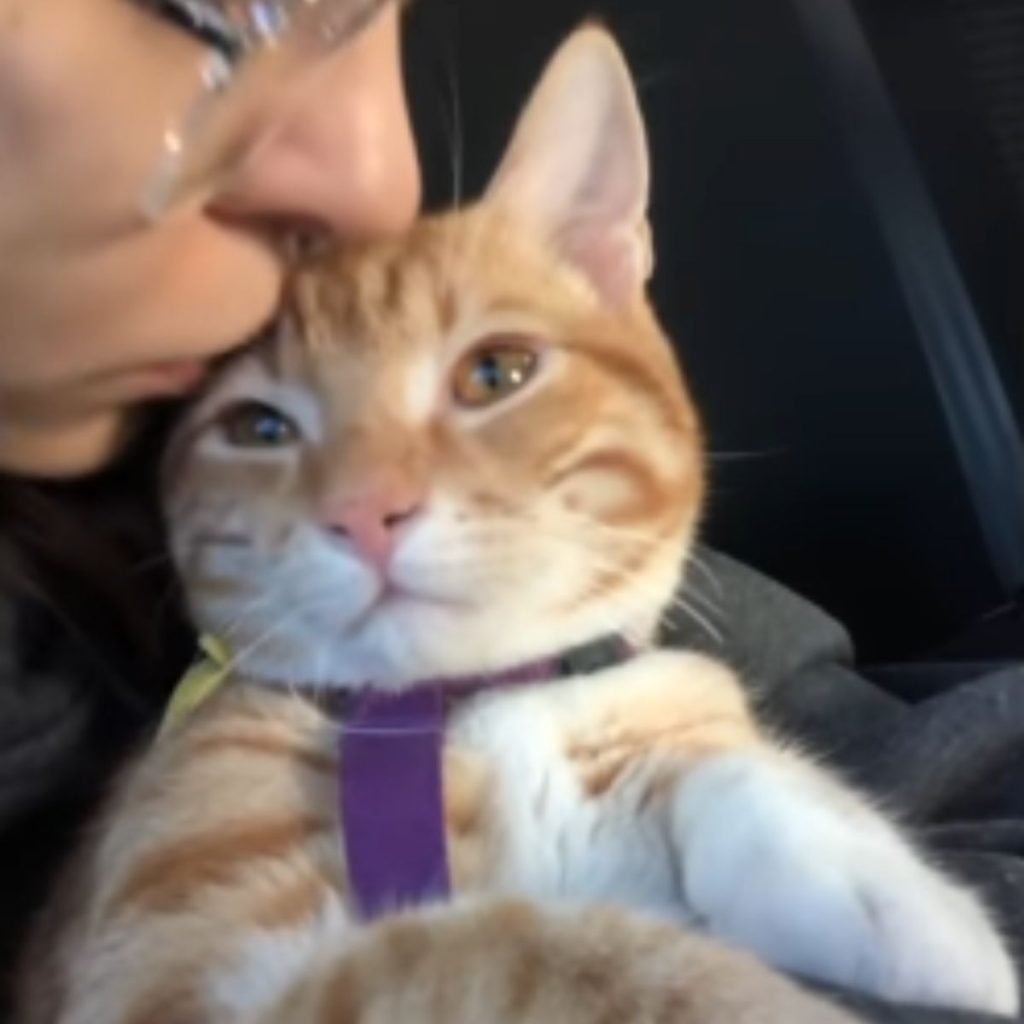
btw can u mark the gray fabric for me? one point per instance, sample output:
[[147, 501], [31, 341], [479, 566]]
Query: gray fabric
[[951, 767]]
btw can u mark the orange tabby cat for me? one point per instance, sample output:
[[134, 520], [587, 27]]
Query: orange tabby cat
[[462, 451]]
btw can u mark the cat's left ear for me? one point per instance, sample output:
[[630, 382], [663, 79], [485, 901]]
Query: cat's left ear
[[577, 168]]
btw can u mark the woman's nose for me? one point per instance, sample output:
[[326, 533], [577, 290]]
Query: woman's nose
[[343, 156]]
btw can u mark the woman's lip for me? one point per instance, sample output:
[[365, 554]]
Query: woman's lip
[[186, 375], [164, 380]]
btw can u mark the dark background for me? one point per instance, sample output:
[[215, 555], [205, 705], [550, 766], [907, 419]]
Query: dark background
[[832, 467]]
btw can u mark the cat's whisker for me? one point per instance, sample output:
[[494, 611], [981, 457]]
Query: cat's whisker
[[615, 626], [585, 529], [707, 606], [690, 589], [580, 521], [237, 656], [601, 562], [469, 557], [360, 730], [705, 570], [683, 605], [578, 538], [452, 123], [280, 622], [604, 531], [576, 531], [657, 77], [248, 609], [456, 139], [676, 601]]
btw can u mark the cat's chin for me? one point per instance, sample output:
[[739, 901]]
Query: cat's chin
[[407, 606], [403, 642]]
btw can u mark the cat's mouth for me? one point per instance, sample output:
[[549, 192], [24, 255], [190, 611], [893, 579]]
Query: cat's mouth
[[394, 596]]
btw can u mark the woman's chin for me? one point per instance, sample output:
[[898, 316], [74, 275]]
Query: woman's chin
[[66, 449]]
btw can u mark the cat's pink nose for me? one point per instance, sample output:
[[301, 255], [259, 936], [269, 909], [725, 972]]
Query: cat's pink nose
[[370, 516]]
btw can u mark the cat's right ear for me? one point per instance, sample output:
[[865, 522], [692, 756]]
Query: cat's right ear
[[577, 168]]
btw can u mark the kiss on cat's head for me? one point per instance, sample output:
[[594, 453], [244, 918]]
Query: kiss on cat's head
[[463, 449]]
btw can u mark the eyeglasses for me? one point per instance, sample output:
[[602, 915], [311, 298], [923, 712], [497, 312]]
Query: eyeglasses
[[253, 50]]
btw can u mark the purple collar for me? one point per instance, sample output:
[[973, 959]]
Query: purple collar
[[391, 791]]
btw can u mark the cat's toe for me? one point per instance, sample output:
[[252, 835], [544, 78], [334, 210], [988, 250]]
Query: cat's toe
[[933, 944]]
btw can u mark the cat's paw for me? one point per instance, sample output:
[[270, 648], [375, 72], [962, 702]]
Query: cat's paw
[[779, 858]]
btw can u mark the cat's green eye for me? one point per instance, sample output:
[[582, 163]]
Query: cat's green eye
[[488, 374], [258, 425]]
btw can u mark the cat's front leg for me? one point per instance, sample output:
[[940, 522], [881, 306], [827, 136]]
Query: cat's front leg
[[778, 857]]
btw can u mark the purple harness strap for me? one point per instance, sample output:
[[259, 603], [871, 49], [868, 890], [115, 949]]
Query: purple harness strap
[[392, 803], [391, 792]]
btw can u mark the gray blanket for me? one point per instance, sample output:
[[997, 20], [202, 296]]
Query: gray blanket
[[947, 755]]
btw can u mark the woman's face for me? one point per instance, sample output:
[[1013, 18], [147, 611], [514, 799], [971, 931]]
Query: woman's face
[[99, 309]]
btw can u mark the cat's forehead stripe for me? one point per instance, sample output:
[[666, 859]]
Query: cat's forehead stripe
[[421, 389]]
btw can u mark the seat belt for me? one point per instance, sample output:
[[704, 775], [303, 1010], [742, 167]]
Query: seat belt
[[981, 421]]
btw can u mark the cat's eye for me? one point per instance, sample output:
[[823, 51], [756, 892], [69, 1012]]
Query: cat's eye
[[492, 372], [258, 425]]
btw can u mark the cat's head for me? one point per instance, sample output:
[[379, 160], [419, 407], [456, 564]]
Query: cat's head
[[464, 449]]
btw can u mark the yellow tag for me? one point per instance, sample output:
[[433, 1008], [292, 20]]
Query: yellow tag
[[200, 683]]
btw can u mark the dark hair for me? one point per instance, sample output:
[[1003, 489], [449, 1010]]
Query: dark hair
[[88, 559], [95, 643]]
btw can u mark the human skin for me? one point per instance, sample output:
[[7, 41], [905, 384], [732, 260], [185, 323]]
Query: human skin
[[103, 310]]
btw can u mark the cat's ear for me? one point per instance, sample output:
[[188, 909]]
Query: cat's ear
[[577, 168]]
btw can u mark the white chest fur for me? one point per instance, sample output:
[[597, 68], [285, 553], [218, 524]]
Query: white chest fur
[[578, 769]]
